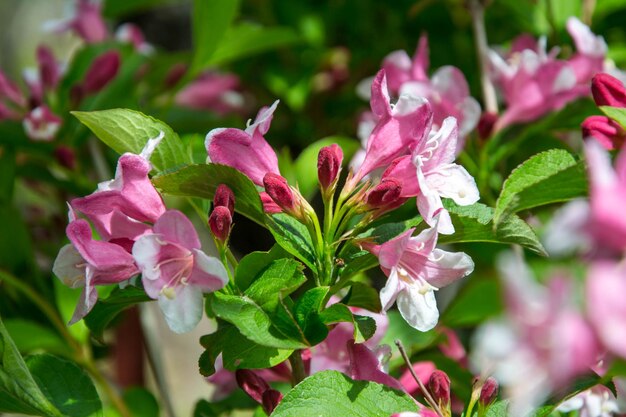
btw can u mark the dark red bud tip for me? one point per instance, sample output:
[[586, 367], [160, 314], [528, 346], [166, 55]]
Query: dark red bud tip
[[608, 91], [386, 193], [278, 189], [485, 124], [252, 384], [65, 156], [489, 392], [329, 162], [101, 72], [220, 221], [271, 399], [606, 131], [439, 387], [48, 68], [224, 196], [269, 206]]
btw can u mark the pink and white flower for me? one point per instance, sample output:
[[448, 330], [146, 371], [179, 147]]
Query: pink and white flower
[[175, 271], [214, 92], [415, 270], [41, 124], [86, 22]]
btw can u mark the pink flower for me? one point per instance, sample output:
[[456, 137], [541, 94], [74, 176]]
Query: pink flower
[[214, 92], [49, 69], [608, 91], [446, 91], [415, 270], [130, 33], [591, 51], [399, 129], [176, 272], [430, 174], [423, 370], [101, 72], [365, 365], [87, 262], [87, 22], [246, 151], [41, 124], [606, 283], [121, 207], [607, 192]]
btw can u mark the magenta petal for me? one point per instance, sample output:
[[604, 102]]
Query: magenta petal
[[175, 227], [364, 366], [403, 170]]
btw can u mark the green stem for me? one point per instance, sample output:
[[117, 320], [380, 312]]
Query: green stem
[[297, 367]]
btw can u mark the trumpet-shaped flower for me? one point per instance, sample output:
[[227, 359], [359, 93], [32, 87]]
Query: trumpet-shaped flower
[[175, 271], [399, 129], [86, 22], [430, 173], [415, 270], [86, 263], [245, 150], [214, 92]]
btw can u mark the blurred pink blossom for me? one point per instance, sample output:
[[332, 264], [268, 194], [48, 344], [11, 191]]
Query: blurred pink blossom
[[214, 92]]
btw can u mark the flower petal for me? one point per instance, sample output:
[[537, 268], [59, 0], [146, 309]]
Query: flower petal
[[175, 227], [208, 273], [184, 311], [66, 267], [418, 308]]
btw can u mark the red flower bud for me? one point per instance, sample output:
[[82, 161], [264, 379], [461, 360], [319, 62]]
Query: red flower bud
[[65, 156], [48, 69], [220, 221], [385, 194], [486, 123], [489, 391], [608, 91], [280, 191], [271, 398], [606, 131], [252, 384], [175, 74], [224, 196], [101, 72], [328, 164], [439, 387], [269, 206]]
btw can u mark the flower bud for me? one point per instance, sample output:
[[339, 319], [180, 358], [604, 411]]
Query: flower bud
[[49, 73], [606, 131], [280, 191], [271, 398], [220, 221], [101, 72], [489, 391], [225, 197], [608, 91], [439, 387], [385, 194], [65, 156], [485, 124], [269, 206], [252, 384], [41, 124], [329, 164]]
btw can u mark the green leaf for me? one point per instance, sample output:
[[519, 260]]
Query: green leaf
[[331, 393], [237, 351], [210, 21], [616, 113], [498, 409], [127, 130], [307, 314], [477, 301], [106, 310], [66, 385], [545, 178], [251, 265], [201, 180], [19, 392], [29, 336], [399, 329], [294, 237], [364, 327], [281, 277], [248, 39], [141, 402], [306, 163], [475, 224], [363, 296], [252, 321]]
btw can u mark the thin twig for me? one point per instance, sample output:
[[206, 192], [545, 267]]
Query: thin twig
[[477, 11], [429, 398]]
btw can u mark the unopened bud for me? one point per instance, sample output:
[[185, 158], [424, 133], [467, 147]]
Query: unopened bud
[[225, 197], [328, 164], [101, 72], [65, 156], [606, 131], [489, 391], [220, 221], [252, 384], [280, 191], [271, 399], [385, 194], [269, 206], [49, 73], [175, 74], [439, 387], [608, 91], [485, 124]]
